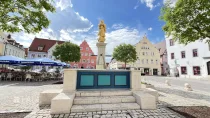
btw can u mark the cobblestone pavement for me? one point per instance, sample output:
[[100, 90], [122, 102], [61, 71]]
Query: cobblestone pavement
[[197, 84], [22, 96], [178, 96], [161, 112]]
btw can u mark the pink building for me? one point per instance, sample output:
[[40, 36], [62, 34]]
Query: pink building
[[88, 60]]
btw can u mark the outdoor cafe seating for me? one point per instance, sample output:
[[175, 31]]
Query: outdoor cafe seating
[[11, 74]]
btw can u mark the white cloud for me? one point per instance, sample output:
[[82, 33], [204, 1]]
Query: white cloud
[[125, 35], [150, 29], [172, 2], [117, 26], [69, 20], [63, 21], [149, 3], [63, 4]]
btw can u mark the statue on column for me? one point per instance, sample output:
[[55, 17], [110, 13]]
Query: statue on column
[[102, 31]]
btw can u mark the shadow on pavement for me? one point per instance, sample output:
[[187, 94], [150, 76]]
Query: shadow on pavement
[[186, 94]]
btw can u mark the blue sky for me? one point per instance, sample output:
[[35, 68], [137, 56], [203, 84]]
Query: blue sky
[[127, 22]]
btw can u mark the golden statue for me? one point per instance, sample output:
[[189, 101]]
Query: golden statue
[[102, 31]]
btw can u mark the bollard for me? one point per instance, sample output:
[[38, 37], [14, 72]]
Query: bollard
[[188, 87], [167, 82]]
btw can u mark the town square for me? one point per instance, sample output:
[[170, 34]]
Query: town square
[[105, 59]]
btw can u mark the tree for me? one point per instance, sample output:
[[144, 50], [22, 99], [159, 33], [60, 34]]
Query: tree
[[24, 15], [67, 52], [125, 53], [187, 21]]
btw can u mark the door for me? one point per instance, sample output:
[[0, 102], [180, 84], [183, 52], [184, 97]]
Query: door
[[208, 67], [146, 71], [155, 71]]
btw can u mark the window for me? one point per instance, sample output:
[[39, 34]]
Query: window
[[39, 55], [196, 70], [183, 70], [81, 54], [195, 52], [142, 61], [81, 48], [151, 61], [183, 54], [83, 60], [142, 53], [33, 55], [87, 61], [171, 42], [92, 61], [172, 55], [86, 54], [147, 61], [146, 53], [157, 62], [87, 48], [44, 55], [40, 48], [152, 53], [90, 54]]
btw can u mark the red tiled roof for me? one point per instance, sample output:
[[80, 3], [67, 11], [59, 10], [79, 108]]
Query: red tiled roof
[[46, 43]]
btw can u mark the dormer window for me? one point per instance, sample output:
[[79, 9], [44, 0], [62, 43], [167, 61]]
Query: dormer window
[[40, 48]]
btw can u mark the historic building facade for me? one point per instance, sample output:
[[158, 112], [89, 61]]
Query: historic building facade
[[8, 46], [189, 61], [148, 59], [41, 48], [161, 46], [88, 59]]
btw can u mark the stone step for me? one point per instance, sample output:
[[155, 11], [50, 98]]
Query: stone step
[[104, 107], [103, 100], [104, 93]]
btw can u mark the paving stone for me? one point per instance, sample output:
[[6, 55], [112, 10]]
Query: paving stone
[[66, 115], [61, 115]]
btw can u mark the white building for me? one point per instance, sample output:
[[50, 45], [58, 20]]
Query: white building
[[40, 48], [8, 46], [190, 61]]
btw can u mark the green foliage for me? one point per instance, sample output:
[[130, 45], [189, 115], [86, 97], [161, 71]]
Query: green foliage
[[25, 68], [67, 52], [145, 83], [125, 53], [57, 70], [24, 15], [188, 21], [43, 69]]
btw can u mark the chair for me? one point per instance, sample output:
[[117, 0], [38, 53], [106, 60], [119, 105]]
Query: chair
[[9, 76], [28, 77]]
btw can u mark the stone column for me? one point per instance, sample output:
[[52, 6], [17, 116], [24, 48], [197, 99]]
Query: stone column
[[135, 80], [70, 80], [100, 64]]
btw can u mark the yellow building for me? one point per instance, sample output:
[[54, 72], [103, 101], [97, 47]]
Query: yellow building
[[2, 45], [148, 58]]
